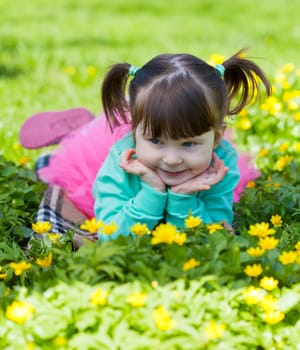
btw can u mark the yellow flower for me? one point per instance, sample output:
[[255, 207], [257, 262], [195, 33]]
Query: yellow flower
[[268, 243], [92, 225], [293, 105], [253, 270], [99, 297], [297, 246], [282, 162], [288, 257], [243, 113], [252, 295], [214, 330], [251, 184], [284, 147], [216, 58], [16, 146], [54, 237], [255, 251], [212, 228], [271, 105], [192, 221], [46, 261], [30, 346], [164, 233], [268, 283], [154, 284], [109, 229], [190, 264], [261, 230], [244, 123], [19, 267], [285, 84], [296, 146], [137, 299], [280, 77], [179, 238], [290, 95], [288, 67], [276, 220], [269, 303], [41, 227], [60, 340], [24, 160], [91, 71], [273, 316], [140, 229], [297, 117], [162, 319], [19, 311], [263, 153]]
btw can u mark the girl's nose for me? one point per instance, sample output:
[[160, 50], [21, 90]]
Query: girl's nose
[[171, 158]]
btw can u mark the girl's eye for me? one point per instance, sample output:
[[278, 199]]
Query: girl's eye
[[155, 141], [188, 144]]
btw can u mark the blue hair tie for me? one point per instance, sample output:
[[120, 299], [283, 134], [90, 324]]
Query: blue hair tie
[[133, 70], [220, 68]]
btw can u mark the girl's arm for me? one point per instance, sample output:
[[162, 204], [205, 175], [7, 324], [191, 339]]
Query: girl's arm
[[123, 199], [212, 205]]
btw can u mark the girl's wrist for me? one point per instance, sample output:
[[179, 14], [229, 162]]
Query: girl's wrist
[[160, 188]]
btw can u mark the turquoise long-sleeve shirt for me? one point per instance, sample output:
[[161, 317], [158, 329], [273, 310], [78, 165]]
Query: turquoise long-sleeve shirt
[[124, 199]]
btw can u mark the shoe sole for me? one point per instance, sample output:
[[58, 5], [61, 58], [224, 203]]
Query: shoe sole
[[49, 128]]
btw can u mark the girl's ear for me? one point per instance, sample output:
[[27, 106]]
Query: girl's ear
[[219, 134]]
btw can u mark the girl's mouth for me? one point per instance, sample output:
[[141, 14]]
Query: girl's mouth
[[173, 173]]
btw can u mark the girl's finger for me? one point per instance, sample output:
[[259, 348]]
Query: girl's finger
[[126, 156]]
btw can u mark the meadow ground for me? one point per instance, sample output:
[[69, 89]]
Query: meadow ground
[[53, 55], [195, 287]]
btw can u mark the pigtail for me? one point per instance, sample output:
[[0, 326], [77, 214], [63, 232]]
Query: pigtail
[[241, 76], [113, 94]]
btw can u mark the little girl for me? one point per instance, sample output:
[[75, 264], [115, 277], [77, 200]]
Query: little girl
[[161, 154]]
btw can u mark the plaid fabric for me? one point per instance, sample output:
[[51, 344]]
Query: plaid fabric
[[42, 161], [57, 209]]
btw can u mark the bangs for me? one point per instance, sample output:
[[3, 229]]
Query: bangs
[[173, 109]]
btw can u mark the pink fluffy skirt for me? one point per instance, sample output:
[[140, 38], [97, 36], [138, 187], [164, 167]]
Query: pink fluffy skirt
[[76, 161]]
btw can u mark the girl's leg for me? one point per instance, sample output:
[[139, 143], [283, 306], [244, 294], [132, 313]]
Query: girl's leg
[[49, 128]]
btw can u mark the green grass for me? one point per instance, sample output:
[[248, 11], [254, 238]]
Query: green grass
[[39, 39]]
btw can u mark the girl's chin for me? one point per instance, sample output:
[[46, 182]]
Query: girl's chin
[[177, 180], [174, 181]]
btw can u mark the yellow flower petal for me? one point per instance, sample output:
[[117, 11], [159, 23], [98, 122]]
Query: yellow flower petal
[[41, 227], [19, 267], [268, 283], [192, 221], [19, 311], [253, 270], [214, 330], [190, 264]]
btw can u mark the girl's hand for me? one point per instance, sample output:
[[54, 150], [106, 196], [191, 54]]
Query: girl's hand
[[202, 182], [134, 166]]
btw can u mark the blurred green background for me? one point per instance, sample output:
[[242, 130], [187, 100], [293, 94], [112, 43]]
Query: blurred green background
[[53, 54]]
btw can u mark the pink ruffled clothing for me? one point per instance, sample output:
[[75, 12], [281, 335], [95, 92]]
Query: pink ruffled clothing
[[248, 172], [75, 163]]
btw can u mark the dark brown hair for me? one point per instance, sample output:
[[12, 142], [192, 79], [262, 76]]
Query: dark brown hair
[[179, 95]]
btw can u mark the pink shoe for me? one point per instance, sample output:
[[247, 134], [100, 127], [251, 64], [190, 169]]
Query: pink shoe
[[48, 128]]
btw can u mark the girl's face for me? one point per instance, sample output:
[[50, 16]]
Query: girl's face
[[175, 161]]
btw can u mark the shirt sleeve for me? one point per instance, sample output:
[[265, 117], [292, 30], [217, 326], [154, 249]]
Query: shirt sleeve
[[213, 205], [123, 199]]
